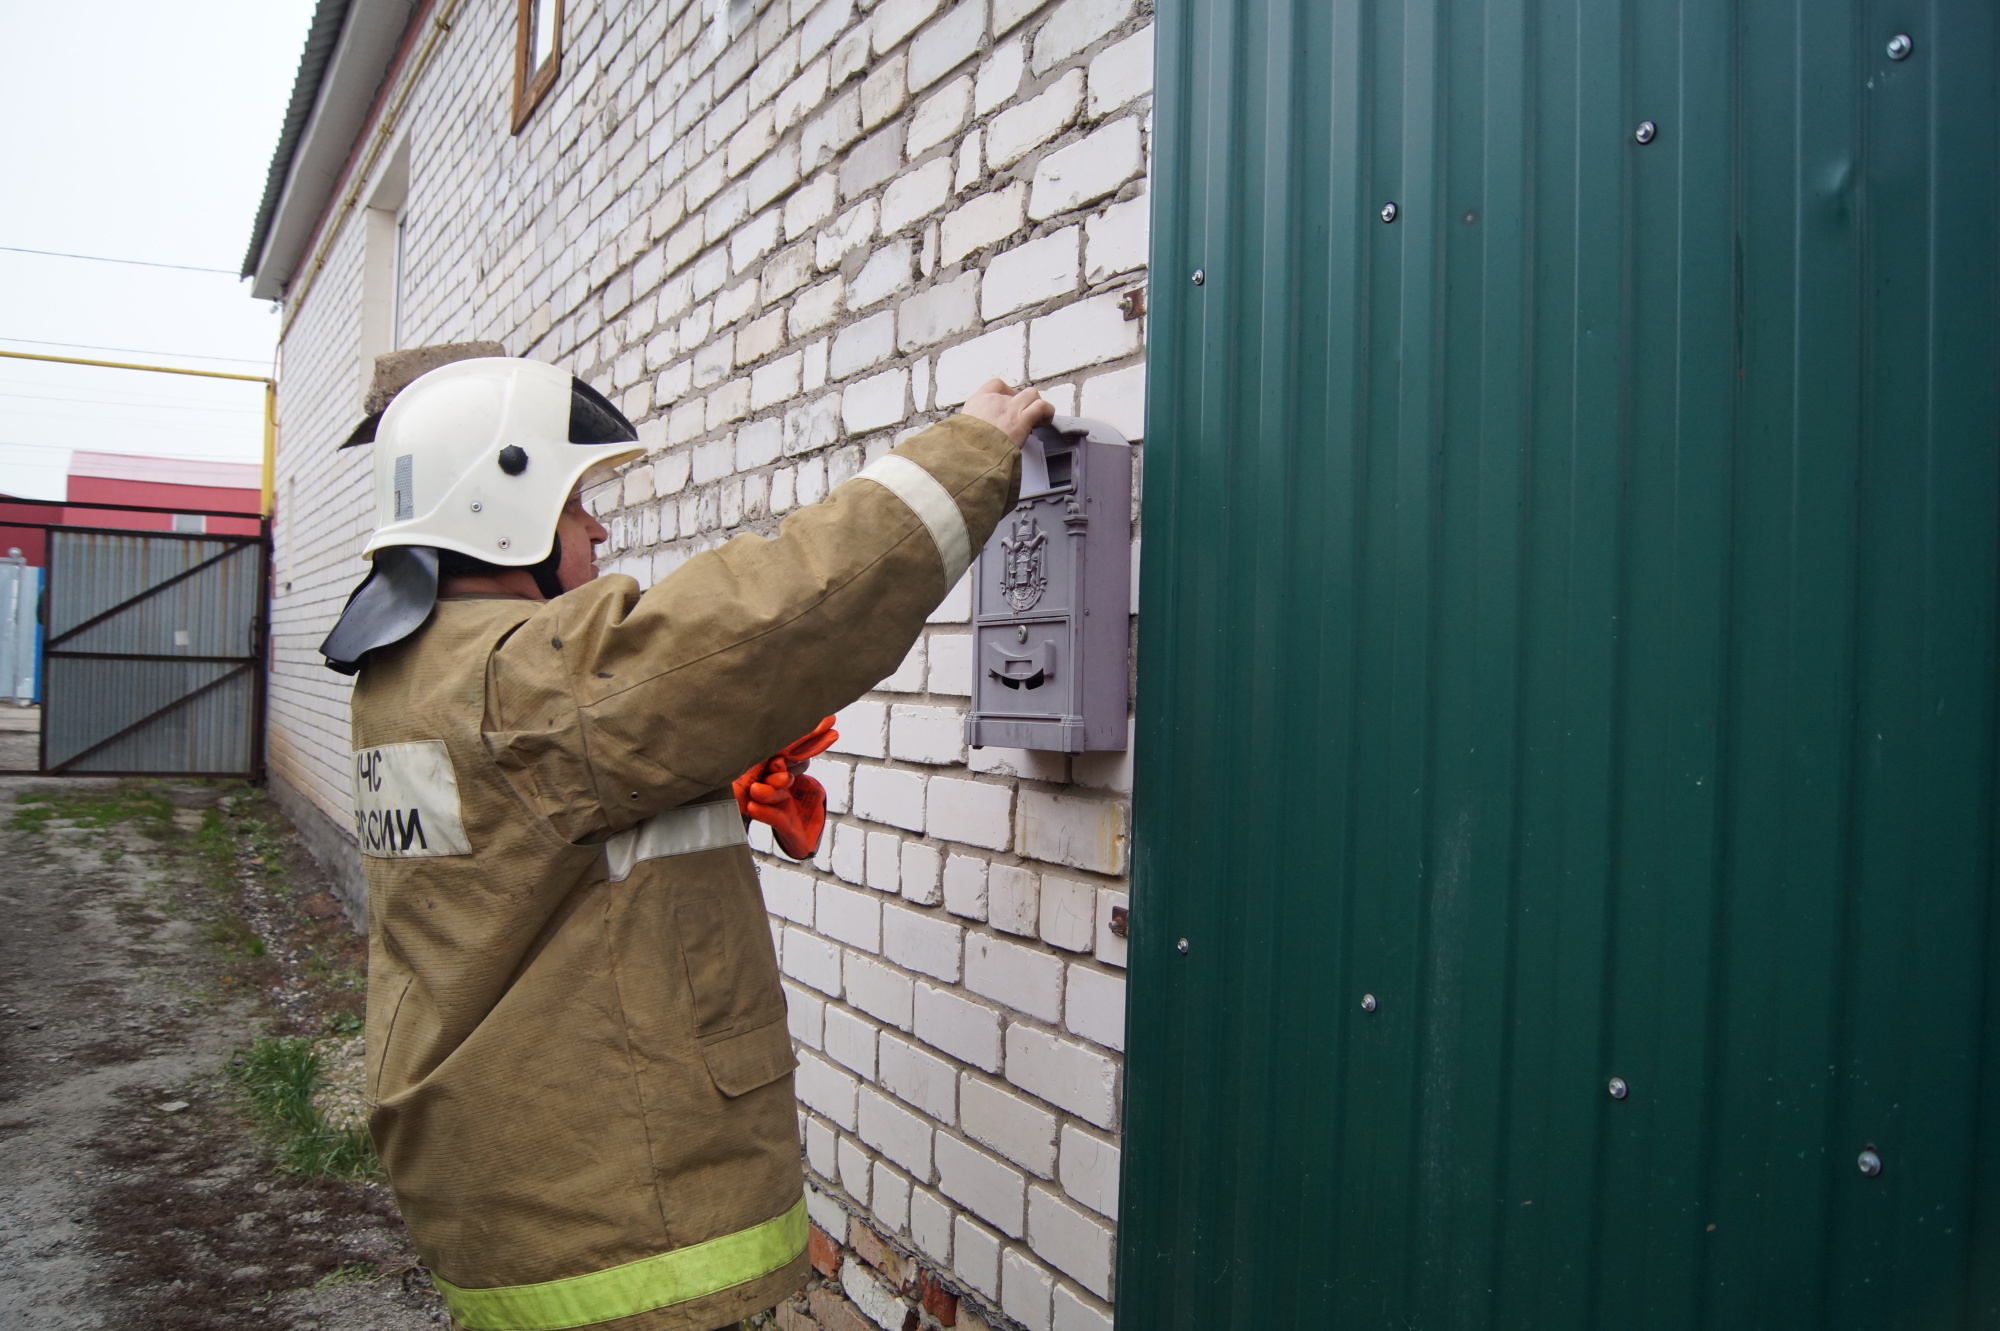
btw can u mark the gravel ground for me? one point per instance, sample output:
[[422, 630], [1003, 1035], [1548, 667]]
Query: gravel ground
[[138, 955]]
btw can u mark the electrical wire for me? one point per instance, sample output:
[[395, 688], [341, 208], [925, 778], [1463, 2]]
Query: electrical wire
[[136, 263], [137, 351]]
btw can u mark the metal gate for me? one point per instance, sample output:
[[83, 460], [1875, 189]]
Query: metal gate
[[1564, 879], [153, 653]]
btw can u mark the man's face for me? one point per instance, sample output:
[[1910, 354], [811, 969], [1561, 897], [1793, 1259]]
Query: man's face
[[580, 534]]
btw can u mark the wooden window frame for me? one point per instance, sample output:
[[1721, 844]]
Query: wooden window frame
[[531, 85]]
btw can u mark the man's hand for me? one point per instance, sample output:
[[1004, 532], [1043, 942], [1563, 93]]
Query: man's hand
[[1013, 413]]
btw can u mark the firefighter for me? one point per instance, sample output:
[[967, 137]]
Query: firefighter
[[579, 1070]]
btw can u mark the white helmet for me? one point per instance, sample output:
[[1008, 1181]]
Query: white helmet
[[476, 457]]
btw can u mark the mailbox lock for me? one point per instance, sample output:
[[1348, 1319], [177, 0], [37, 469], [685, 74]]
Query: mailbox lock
[[1020, 633]]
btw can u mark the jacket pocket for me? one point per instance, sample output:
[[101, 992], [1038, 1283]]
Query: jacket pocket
[[742, 1063], [732, 972]]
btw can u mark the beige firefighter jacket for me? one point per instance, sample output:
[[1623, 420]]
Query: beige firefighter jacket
[[578, 1062]]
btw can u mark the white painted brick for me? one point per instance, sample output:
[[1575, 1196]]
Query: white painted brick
[[822, 1148], [864, 729], [821, 26], [1074, 25], [1094, 1006], [1032, 273], [1115, 240], [891, 1201], [1086, 170], [1022, 978], [965, 887], [759, 443], [1068, 913], [956, 607], [991, 1189], [1019, 1129], [930, 1227], [872, 161], [976, 1256], [897, 19], [816, 374], [921, 942], [805, 1016], [946, 44], [1119, 400], [982, 221], [731, 402], [855, 228], [851, 917], [850, 1041], [824, 1211], [1121, 72], [1076, 1312], [1031, 764], [825, 1089], [1066, 1075], [1021, 129], [895, 797], [1090, 1170], [787, 892], [996, 355], [1025, 1290], [874, 1298], [1075, 830], [849, 852], [884, 91], [1013, 899], [958, 1026], [1110, 947], [919, 874], [776, 382], [813, 425], [854, 1169], [909, 676], [916, 194], [811, 960], [873, 404], [945, 309], [929, 1083], [878, 990], [974, 812], [926, 734], [810, 205], [939, 116], [999, 77], [885, 862], [713, 460], [1076, 1243], [862, 344], [888, 270], [896, 1132]]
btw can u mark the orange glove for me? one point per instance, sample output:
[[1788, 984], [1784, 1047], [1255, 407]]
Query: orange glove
[[778, 792]]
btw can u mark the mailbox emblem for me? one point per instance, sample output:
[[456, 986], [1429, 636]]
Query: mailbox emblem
[[1024, 574]]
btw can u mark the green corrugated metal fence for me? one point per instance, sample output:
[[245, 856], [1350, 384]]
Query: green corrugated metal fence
[[1569, 616]]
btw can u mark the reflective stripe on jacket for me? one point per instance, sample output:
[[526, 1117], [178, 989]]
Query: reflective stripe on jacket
[[578, 1059]]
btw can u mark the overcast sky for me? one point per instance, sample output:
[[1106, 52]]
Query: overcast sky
[[136, 130]]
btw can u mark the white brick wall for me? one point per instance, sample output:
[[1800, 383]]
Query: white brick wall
[[783, 234]]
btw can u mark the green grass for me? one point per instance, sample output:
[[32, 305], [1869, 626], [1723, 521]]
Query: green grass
[[152, 811], [345, 1024], [280, 1075], [354, 1273]]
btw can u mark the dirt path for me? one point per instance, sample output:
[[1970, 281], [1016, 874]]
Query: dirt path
[[148, 933]]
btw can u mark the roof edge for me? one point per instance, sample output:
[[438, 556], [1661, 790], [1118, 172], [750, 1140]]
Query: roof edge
[[329, 17]]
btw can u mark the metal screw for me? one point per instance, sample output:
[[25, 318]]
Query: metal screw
[[1470, 217], [477, 506], [1900, 47], [1181, 947], [1367, 1002], [1121, 921], [504, 542], [1388, 212], [1199, 277], [1868, 1162], [1646, 132], [1619, 1090]]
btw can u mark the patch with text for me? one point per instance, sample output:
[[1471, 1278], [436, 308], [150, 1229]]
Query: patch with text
[[406, 801]]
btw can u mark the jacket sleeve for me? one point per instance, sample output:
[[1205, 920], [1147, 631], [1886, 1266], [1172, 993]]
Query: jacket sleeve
[[607, 706]]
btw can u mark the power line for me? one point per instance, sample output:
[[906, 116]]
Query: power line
[[138, 351], [136, 263], [128, 404]]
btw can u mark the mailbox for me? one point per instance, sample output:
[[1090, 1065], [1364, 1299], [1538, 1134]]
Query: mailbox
[[1051, 598]]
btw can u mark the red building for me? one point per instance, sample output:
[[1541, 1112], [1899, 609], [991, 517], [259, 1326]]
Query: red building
[[189, 488]]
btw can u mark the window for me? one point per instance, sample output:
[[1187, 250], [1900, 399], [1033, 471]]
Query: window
[[387, 322], [191, 524], [396, 286], [537, 54]]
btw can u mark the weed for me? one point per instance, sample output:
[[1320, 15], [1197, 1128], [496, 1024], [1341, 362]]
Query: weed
[[151, 810], [354, 1273], [280, 1075], [345, 1025]]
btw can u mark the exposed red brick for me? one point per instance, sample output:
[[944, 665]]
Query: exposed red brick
[[878, 1254], [791, 1319], [824, 1252], [834, 1313], [939, 1302]]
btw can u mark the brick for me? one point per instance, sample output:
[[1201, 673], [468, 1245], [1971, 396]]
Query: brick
[[965, 887], [999, 77], [1066, 1075], [919, 873], [951, 664], [937, 1299], [1074, 1242], [933, 735], [876, 403], [890, 1201], [805, 1016], [1032, 273], [824, 1211], [958, 1026], [1013, 899], [1110, 947], [946, 44], [1031, 764], [1022, 978], [776, 382], [871, 1248], [884, 91], [1121, 72], [1074, 25], [833, 1313], [872, 161], [916, 194], [862, 345], [930, 1227], [1017, 1128], [787, 893], [885, 862], [1068, 917], [822, 1251], [855, 1170], [1078, 831], [889, 269], [921, 942], [1086, 170], [759, 443], [822, 25], [976, 1256], [1006, 13], [1115, 240], [929, 1083], [797, 98], [810, 426], [712, 362], [968, 158], [956, 607], [874, 1298], [1025, 1290], [991, 1189], [815, 307], [864, 729], [897, 1133], [831, 130], [1073, 1312], [825, 1089], [822, 1145], [850, 1041], [851, 917], [809, 205], [1094, 1006], [1021, 129], [939, 116], [849, 852], [731, 402], [885, 795], [1119, 400], [1089, 1170], [1000, 354], [878, 990], [813, 961], [854, 228], [945, 309]]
